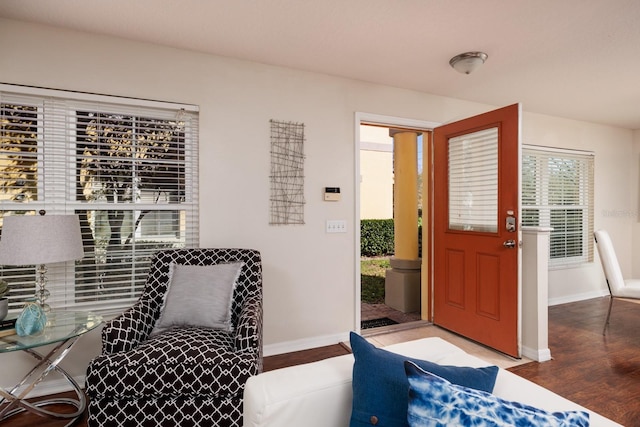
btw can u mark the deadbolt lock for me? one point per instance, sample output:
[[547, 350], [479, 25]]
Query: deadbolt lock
[[510, 222]]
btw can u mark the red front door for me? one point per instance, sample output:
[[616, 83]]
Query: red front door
[[476, 228]]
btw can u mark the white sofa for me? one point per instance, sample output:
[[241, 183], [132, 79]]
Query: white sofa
[[319, 394]]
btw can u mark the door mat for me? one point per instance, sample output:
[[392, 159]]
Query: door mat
[[377, 323]]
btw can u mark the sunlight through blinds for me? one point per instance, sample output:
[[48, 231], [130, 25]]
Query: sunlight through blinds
[[127, 167]]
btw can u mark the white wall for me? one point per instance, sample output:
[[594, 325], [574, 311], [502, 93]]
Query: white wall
[[616, 170], [309, 276]]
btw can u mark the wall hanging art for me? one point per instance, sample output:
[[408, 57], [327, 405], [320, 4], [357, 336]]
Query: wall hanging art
[[287, 173]]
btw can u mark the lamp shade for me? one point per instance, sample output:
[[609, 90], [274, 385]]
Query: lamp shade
[[40, 239]]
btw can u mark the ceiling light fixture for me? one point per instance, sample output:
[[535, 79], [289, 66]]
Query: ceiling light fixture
[[467, 62]]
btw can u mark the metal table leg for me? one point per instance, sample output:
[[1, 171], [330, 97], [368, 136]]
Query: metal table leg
[[15, 397]]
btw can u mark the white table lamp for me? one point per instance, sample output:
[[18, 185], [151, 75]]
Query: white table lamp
[[39, 240]]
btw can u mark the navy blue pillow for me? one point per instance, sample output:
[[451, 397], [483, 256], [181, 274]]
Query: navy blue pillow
[[381, 388]]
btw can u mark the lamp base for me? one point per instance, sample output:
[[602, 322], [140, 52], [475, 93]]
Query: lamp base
[[42, 293]]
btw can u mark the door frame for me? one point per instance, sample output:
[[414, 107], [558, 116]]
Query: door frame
[[390, 121]]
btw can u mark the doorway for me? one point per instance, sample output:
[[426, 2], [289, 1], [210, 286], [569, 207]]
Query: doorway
[[483, 277], [375, 215]]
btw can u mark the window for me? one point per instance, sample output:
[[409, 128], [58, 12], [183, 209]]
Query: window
[[557, 192], [127, 168], [473, 181]]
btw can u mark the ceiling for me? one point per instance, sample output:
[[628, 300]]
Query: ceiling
[[572, 58]]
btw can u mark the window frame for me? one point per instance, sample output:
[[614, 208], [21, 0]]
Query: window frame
[[545, 208]]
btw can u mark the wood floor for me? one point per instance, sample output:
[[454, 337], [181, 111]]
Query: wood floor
[[596, 371], [599, 372]]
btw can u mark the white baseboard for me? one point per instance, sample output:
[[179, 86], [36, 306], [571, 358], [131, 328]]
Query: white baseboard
[[578, 297], [304, 344], [539, 355], [54, 386]]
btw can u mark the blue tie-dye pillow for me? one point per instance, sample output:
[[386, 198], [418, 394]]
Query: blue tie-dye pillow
[[435, 402]]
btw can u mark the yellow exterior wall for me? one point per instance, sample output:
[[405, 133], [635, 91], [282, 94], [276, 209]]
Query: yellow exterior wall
[[376, 185], [376, 173]]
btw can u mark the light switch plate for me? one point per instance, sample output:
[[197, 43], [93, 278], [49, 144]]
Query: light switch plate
[[336, 226]]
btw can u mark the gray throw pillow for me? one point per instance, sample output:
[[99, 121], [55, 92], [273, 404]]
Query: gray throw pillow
[[199, 295]]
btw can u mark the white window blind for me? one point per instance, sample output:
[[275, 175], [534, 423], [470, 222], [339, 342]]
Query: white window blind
[[473, 181], [557, 192], [127, 167]]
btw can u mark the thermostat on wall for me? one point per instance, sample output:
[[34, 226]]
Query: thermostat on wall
[[331, 194]]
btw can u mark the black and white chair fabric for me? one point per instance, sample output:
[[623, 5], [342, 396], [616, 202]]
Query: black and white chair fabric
[[159, 366]]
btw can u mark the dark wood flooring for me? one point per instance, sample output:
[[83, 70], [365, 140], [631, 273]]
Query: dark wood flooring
[[599, 372]]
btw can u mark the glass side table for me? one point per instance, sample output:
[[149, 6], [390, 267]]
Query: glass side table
[[63, 330]]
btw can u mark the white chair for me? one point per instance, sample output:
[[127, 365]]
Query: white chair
[[618, 286]]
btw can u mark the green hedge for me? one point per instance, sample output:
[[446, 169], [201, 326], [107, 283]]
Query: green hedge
[[376, 237]]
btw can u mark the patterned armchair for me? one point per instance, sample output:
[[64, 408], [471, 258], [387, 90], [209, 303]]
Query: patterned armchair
[[184, 376]]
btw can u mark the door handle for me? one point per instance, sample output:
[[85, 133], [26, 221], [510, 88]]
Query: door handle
[[509, 244]]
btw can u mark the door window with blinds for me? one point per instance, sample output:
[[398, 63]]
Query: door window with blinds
[[473, 181], [557, 192], [127, 167]]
